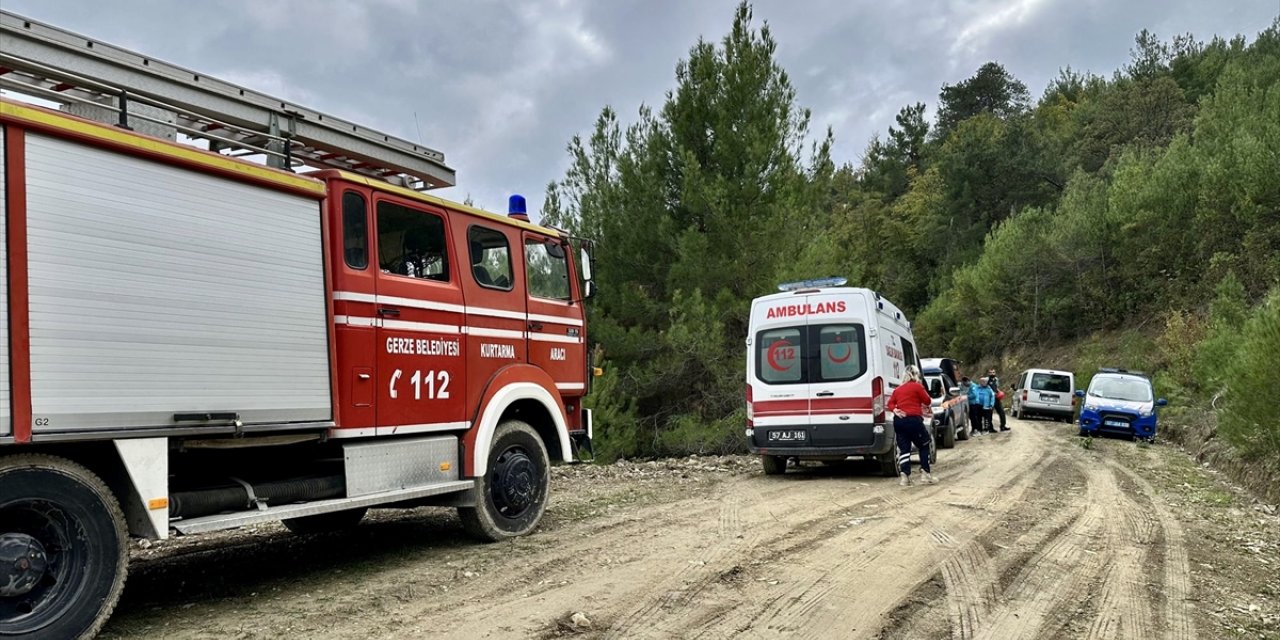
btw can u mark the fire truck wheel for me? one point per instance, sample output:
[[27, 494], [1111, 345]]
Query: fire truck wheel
[[63, 549], [325, 522], [512, 495]]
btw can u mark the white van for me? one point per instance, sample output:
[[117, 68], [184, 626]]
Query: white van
[[1045, 392], [821, 361]]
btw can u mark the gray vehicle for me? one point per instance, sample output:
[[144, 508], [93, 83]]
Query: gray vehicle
[[950, 403], [950, 409], [1045, 392]]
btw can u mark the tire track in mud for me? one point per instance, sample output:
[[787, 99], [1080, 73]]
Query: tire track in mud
[[976, 571], [970, 588], [1176, 616], [669, 613], [1053, 574], [1094, 567], [692, 578], [1123, 609], [832, 597], [666, 614], [801, 602], [968, 572]]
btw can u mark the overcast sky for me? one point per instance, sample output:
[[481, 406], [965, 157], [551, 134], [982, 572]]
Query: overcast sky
[[501, 86]]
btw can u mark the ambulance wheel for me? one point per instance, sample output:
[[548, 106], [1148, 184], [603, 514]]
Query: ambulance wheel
[[774, 465], [888, 464], [512, 495], [325, 522], [948, 435], [63, 549]]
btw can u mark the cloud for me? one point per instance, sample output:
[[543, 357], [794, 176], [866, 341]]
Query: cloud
[[990, 20], [501, 85]]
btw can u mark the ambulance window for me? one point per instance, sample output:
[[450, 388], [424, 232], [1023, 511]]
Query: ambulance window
[[841, 352], [355, 230], [779, 360], [411, 243], [490, 258], [909, 353], [546, 269]]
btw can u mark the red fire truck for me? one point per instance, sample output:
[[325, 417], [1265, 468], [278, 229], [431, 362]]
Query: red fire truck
[[192, 342]]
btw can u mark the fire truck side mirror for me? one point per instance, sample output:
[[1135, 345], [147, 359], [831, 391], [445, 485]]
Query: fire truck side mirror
[[585, 264], [588, 289]]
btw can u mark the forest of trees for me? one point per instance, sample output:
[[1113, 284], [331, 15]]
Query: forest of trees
[[1147, 198]]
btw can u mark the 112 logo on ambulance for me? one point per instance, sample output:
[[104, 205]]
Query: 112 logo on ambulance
[[781, 356]]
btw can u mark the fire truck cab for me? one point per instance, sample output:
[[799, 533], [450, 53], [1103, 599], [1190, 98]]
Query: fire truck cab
[[192, 342]]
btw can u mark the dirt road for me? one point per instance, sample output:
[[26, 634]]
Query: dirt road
[[1029, 534]]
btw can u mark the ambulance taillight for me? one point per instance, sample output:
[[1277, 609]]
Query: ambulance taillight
[[877, 399]]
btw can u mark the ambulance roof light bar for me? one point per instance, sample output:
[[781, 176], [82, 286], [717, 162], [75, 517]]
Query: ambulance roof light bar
[[813, 284]]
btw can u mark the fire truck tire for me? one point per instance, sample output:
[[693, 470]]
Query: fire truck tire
[[325, 522], [774, 465], [63, 514], [512, 494]]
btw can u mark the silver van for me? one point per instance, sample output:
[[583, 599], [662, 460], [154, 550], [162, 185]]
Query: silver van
[[1045, 392]]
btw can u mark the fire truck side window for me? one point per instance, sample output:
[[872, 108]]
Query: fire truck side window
[[546, 269], [411, 243], [490, 258], [355, 230]]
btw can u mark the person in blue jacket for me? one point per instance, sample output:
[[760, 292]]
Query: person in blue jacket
[[975, 405], [981, 401], [987, 396]]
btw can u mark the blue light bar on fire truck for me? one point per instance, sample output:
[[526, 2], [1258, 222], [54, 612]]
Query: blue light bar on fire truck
[[813, 284]]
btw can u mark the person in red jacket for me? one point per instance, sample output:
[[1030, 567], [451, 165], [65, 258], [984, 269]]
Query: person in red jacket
[[910, 403]]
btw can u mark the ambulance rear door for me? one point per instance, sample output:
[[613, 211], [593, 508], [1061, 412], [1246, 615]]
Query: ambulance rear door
[[777, 386], [840, 380]]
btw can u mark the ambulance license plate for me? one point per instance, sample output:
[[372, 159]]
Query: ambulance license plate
[[1115, 423], [787, 436]]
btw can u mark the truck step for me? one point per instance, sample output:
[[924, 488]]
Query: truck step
[[222, 521]]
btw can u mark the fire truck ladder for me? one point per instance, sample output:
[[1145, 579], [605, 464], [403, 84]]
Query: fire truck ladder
[[94, 79]]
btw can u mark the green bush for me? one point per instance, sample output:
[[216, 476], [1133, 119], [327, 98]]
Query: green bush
[[1178, 348], [617, 431], [1216, 353], [1249, 419]]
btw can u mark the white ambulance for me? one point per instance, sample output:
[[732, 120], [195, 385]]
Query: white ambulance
[[822, 360]]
